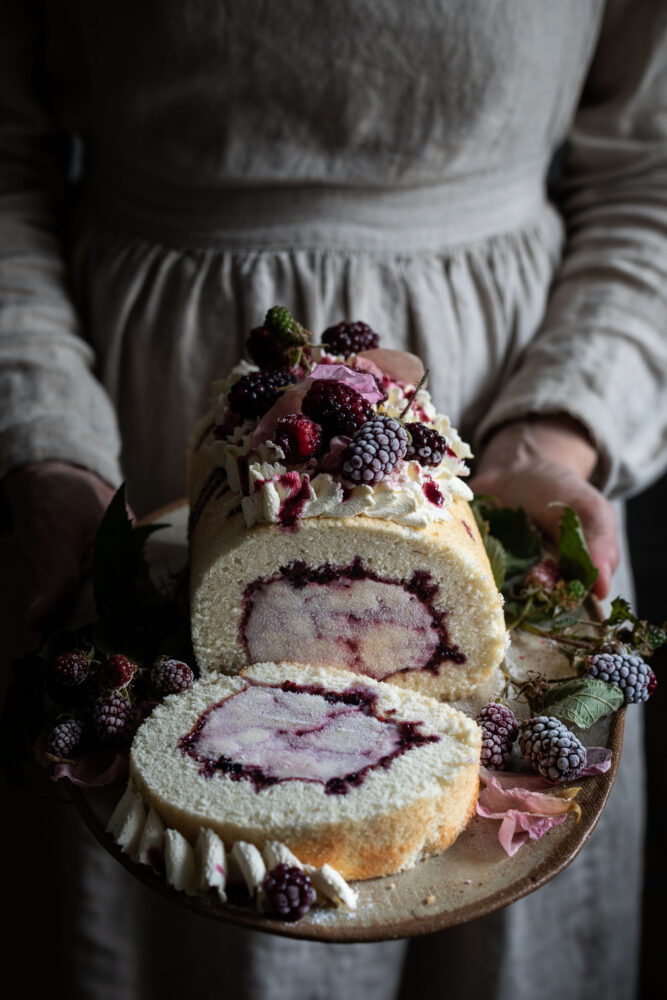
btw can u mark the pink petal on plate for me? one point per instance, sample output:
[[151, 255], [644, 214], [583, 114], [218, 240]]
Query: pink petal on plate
[[496, 800], [598, 761], [401, 366], [517, 828], [95, 770]]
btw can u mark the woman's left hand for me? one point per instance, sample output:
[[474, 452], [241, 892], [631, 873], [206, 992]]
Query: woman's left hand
[[535, 462]]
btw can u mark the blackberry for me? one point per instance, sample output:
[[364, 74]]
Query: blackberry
[[626, 671], [350, 338], [500, 729], [426, 446], [374, 452], [284, 329], [65, 738], [551, 748], [113, 717], [289, 892], [69, 669], [336, 407], [298, 436], [253, 395], [171, 677], [264, 350], [116, 672]]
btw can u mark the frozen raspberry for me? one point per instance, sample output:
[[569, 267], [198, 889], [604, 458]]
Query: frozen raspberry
[[551, 748], [171, 677], [626, 671], [500, 728], [350, 338], [544, 575], [298, 437], [116, 672], [374, 452], [284, 329], [426, 446], [336, 407], [289, 892], [113, 717], [65, 738], [69, 669], [253, 395], [264, 351]]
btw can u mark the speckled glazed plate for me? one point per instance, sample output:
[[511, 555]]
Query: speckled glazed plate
[[473, 878]]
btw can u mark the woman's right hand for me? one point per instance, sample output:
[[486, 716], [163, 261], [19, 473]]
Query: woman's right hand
[[55, 509]]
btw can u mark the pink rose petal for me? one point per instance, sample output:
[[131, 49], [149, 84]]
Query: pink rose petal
[[104, 767], [290, 401], [401, 366], [598, 761], [526, 814], [337, 446], [517, 828]]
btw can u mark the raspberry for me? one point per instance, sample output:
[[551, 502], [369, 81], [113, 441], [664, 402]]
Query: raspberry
[[116, 672], [544, 575], [336, 407], [350, 338], [69, 669], [500, 728], [264, 350], [284, 329], [253, 395], [171, 677], [426, 446], [375, 451], [289, 892], [113, 717], [298, 437], [626, 671], [65, 738], [551, 748]]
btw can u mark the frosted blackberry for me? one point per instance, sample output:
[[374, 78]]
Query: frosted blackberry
[[500, 729], [374, 452], [171, 677], [551, 748], [69, 669], [289, 892], [336, 407], [350, 338], [425, 446], [113, 718], [253, 395], [65, 738], [626, 671], [284, 329]]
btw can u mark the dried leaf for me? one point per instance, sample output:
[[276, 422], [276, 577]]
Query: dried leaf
[[583, 700]]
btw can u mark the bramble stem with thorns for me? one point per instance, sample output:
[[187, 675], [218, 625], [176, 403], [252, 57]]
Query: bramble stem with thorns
[[420, 385]]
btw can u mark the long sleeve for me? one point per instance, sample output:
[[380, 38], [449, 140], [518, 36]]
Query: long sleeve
[[52, 405], [601, 351]]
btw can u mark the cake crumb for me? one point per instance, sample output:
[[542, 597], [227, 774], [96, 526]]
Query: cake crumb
[[429, 899]]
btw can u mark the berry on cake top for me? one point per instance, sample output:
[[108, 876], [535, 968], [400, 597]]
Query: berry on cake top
[[330, 429]]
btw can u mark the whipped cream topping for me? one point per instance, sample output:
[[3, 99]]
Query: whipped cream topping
[[270, 493]]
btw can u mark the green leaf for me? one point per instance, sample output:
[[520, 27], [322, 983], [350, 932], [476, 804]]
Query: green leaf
[[497, 558], [516, 531], [120, 571], [620, 612], [574, 557], [583, 700]]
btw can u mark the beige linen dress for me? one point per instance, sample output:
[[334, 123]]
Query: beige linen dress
[[362, 159]]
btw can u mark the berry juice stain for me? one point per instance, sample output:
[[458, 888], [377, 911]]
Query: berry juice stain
[[432, 493]]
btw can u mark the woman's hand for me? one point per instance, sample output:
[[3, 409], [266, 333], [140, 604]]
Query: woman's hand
[[532, 463], [55, 511]]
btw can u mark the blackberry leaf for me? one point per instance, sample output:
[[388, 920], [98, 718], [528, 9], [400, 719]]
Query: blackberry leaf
[[583, 701]]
